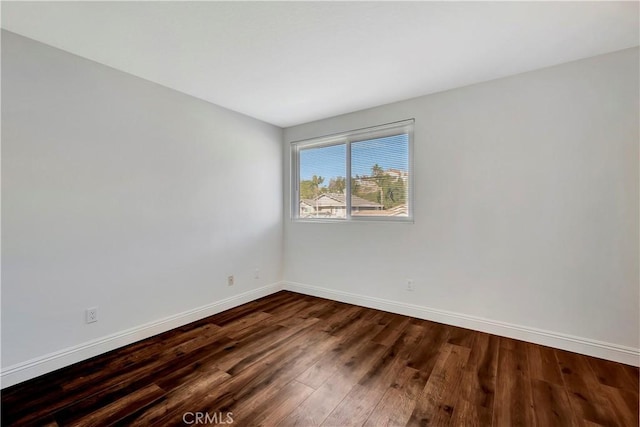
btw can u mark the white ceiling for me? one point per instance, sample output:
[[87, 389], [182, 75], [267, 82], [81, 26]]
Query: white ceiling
[[292, 62]]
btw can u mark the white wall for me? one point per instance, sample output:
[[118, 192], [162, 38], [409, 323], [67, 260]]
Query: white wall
[[526, 209], [125, 195]]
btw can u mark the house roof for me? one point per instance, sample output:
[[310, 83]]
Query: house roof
[[336, 199], [400, 210]]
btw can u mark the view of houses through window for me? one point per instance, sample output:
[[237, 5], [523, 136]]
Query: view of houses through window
[[378, 183]]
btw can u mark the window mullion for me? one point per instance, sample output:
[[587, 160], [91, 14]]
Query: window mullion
[[295, 182], [347, 186]]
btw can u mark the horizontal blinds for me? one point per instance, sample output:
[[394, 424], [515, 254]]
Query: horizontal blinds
[[363, 173]]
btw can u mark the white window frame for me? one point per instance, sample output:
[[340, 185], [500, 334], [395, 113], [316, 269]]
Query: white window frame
[[347, 138]]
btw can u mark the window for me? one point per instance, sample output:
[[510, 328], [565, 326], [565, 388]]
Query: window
[[357, 175]]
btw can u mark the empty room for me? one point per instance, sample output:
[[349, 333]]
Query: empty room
[[320, 213]]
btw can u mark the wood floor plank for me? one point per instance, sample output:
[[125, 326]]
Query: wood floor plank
[[513, 404], [272, 412], [436, 403], [286, 305], [397, 404], [341, 319], [256, 395], [424, 359], [82, 408], [543, 364], [584, 389], [469, 415], [327, 309], [82, 377], [327, 365], [49, 423], [238, 325], [180, 399], [392, 330], [260, 379], [551, 405], [357, 406], [466, 410], [233, 314], [319, 405], [170, 347], [634, 373], [166, 362], [257, 345], [460, 336], [362, 399], [612, 374], [624, 404], [291, 359], [121, 408], [477, 393]]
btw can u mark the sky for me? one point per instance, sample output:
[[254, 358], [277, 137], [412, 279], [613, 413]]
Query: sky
[[390, 153]]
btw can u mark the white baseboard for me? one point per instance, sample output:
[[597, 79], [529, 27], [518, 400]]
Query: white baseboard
[[48, 363], [603, 350]]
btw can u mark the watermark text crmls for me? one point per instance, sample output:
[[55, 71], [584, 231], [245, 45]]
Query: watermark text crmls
[[190, 418]]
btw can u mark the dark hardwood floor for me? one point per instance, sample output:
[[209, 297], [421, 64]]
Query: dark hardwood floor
[[290, 359]]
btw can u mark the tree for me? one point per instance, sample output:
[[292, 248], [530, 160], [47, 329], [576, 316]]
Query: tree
[[310, 189], [337, 185], [391, 191], [355, 185], [306, 190]]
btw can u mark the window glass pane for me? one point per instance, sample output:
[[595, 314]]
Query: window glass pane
[[380, 176], [322, 182], [376, 186]]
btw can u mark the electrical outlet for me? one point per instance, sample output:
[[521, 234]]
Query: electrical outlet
[[410, 287], [91, 315], [231, 281], [256, 273]]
